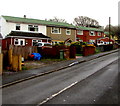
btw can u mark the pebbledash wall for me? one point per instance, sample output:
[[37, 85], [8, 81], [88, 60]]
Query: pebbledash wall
[[62, 36], [6, 27]]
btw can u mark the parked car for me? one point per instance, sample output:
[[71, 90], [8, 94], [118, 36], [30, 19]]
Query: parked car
[[54, 42], [44, 45]]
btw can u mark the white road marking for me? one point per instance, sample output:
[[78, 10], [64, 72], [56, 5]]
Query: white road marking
[[49, 98], [73, 63]]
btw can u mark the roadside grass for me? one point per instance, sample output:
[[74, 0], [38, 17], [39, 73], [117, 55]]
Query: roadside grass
[[79, 54], [33, 64]]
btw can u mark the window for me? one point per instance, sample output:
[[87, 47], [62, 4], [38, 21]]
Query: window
[[33, 28], [56, 30], [79, 32], [34, 42], [99, 33], [77, 38], [19, 42], [68, 32], [17, 26], [16, 42], [81, 40], [92, 33], [91, 40]]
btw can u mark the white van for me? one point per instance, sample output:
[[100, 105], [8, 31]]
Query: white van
[[43, 45]]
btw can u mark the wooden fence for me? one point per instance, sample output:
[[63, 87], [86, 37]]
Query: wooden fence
[[24, 51], [13, 56]]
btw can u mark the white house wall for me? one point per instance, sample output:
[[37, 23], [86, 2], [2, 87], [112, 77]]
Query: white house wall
[[3, 27], [7, 27], [11, 27], [43, 29]]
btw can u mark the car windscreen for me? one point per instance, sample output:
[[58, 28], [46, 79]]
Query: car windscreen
[[47, 44]]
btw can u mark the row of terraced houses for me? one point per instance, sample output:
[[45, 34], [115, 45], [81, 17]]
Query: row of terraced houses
[[26, 32]]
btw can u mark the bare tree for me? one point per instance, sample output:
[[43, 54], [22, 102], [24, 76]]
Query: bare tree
[[85, 21], [55, 19], [114, 30]]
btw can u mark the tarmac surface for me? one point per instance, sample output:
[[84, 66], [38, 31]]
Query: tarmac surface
[[28, 74]]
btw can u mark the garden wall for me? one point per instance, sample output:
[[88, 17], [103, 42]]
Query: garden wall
[[88, 50]]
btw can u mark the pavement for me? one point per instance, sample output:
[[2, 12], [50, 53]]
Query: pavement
[[29, 74]]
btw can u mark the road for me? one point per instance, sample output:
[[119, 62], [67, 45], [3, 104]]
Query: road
[[86, 83]]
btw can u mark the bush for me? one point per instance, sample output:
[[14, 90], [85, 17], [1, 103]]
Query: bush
[[97, 50]]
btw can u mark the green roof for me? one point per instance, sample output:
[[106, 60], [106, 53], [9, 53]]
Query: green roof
[[106, 33], [37, 21], [47, 23], [89, 28]]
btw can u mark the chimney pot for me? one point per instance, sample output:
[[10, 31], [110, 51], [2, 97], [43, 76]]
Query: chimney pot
[[24, 16]]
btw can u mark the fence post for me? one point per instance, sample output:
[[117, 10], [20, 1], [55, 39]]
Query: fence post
[[10, 56], [19, 62], [15, 63]]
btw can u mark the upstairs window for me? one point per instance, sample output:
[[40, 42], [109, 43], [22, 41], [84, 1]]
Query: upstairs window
[[79, 32], [17, 26], [56, 30], [99, 33], [68, 32], [33, 28], [92, 33]]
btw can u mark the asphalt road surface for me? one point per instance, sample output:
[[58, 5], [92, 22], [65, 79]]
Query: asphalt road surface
[[92, 82]]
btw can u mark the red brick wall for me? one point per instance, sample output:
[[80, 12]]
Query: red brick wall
[[86, 37], [5, 43], [28, 42], [88, 50], [44, 40]]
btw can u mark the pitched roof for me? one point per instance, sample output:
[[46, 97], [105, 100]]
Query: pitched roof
[[47, 23], [105, 39], [89, 28], [106, 33], [27, 34], [37, 21]]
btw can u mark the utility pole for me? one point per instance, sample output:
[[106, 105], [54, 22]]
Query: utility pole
[[109, 28]]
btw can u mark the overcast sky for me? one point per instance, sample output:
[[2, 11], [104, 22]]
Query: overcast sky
[[99, 10]]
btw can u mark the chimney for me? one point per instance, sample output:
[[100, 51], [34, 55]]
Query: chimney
[[24, 16]]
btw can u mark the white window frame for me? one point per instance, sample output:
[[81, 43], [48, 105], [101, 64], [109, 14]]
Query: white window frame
[[37, 41], [53, 29], [90, 33], [18, 25], [35, 28], [79, 32], [81, 40], [68, 31], [92, 40], [19, 42], [99, 33]]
